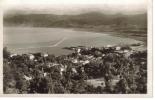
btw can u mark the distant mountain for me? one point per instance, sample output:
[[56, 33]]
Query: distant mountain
[[91, 19]]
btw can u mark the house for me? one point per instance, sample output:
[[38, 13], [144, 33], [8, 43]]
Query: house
[[31, 56], [75, 61], [45, 74], [74, 70], [45, 55], [109, 46], [49, 65], [118, 48], [27, 78], [103, 55], [13, 55], [126, 51], [85, 62]]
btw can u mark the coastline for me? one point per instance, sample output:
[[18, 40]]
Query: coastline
[[115, 33], [96, 29], [108, 32]]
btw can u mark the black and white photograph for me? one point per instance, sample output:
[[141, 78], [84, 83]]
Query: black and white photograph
[[57, 47]]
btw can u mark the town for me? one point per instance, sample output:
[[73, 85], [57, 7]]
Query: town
[[88, 70]]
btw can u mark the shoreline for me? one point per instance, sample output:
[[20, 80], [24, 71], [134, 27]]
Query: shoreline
[[113, 33], [110, 32]]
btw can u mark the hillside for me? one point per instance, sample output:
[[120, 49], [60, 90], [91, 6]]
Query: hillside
[[92, 18]]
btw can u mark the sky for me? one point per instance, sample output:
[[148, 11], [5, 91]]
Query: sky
[[74, 6]]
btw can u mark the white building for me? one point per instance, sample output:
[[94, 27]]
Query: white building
[[12, 55], [31, 56], [118, 48]]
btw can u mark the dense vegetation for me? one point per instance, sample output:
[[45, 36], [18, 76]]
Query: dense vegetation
[[121, 69]]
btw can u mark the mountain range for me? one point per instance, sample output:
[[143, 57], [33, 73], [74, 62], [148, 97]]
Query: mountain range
[[80, 20]]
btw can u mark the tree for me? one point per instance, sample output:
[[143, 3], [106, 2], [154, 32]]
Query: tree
[[6, 53]]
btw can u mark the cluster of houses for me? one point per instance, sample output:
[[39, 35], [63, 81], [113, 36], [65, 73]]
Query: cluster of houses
[[81, 57]]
